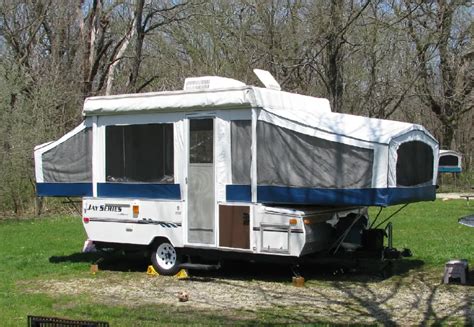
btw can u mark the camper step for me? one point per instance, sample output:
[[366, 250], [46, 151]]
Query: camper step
[[199, 266]]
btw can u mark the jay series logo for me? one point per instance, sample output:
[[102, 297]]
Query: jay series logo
[[106, 207]]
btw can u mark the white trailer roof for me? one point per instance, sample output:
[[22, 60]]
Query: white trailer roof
[[228, 98], [350, 126], [305, 111]]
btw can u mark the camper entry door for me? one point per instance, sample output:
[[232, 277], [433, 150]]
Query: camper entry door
[[201, 197]]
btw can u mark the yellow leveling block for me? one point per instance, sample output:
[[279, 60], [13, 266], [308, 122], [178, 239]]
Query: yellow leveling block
[[182, 274], [151, 271]]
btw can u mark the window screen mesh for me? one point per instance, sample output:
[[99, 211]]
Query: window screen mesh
[[140, 153], [201, 138], [448, 161], [414, 163], [241, 143], [289, 158], [70, 161]]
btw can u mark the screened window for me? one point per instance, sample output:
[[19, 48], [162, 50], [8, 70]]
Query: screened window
[[241, 144], [414, 163], [448, 160], [70, 161], [289, 158], [201, 140], [140, 153]]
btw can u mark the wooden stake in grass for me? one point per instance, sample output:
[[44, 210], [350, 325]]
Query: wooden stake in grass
[[94, 268], [298, 281]]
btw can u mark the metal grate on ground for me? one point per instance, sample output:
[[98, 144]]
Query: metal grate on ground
[[37, 321]]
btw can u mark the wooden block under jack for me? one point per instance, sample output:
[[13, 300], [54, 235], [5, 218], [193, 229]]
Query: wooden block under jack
[[298, 281], [94, 268]]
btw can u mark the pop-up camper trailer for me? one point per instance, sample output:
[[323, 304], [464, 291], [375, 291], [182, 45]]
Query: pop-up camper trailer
[[449, 161], [228, 168]]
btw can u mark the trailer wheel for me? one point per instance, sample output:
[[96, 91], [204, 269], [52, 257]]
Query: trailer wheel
[[165, 259]]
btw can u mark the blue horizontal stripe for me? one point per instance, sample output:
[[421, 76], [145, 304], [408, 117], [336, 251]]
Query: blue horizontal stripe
[[331, 197], [449, 169], [64, 189], [401, 195], [135, 190], [238, 193]]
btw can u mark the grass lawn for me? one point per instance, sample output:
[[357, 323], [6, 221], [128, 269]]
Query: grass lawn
[[431, 230], [29, 249]]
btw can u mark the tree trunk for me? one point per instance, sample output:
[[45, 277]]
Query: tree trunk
[[334, 56], [38, 205], [448, 136], [137, 58]]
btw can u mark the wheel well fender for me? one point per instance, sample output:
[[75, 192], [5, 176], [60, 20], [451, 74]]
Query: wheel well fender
[[158, 240]]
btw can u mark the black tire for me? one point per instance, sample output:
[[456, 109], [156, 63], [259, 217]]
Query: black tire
[[165, 259]]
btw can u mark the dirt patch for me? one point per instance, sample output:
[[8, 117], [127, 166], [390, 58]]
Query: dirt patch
[[417, 298]]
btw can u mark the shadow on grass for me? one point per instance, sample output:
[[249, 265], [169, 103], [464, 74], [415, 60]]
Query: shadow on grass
[[77, 257], [242, 270], [113, 261], [370, 271]]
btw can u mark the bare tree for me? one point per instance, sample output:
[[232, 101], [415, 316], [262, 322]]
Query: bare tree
[[391, 59], [444, 60], [148, 18]]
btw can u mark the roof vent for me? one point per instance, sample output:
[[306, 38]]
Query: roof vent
[[210, 82]]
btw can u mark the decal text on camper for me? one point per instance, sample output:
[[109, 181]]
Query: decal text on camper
[[105, 207]]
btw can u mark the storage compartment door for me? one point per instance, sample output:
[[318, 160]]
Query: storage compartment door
[[275, 238], [234, 230]]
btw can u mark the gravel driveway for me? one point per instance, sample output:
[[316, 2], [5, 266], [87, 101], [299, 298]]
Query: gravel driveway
[[412, 298]]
